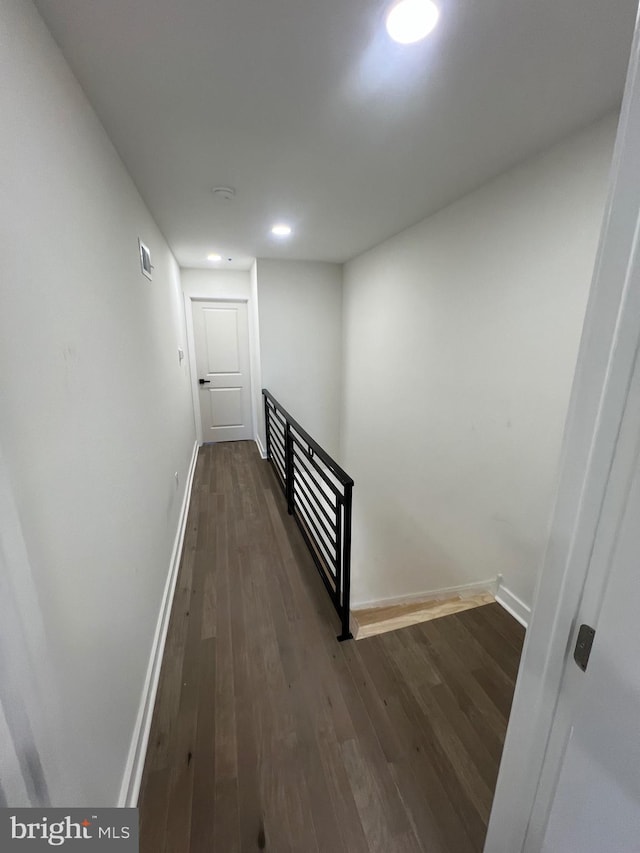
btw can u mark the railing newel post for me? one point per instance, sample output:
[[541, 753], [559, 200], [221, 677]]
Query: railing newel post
[[345, 608], [267, 427], [289, 467]]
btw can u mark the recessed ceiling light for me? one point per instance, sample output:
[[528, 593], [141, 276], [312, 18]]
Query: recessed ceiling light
[[411, 20], [281, 230], [214, 257]]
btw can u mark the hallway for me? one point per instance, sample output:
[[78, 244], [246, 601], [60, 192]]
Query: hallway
[[269, 734]]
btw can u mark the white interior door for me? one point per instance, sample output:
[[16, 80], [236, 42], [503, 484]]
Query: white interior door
[[221, 339], [551, 742], [589, 793], [596, 807]]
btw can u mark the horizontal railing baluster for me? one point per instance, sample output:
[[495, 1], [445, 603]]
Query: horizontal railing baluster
[[317, 503], [322, 543], [278, 428], [280, 454], [328, 499], [304, 456], [329, 536], [281, 475]]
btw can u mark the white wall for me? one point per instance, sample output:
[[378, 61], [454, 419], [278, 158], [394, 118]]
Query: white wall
[[239, 285], [216, 284], [301, 342], [460, 338], [95, 419]]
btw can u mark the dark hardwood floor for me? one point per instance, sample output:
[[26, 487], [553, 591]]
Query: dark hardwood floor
[[269, 734]]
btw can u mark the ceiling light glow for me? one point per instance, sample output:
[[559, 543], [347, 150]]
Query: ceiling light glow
[[281, 230], [214, 257], [409, 21]]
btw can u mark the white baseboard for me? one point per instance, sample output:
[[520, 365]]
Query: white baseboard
[[132, 778], [261, 450], [463, 590], [513, 605]]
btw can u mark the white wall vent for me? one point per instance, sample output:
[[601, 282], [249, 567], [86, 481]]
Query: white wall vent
[[145, 259]]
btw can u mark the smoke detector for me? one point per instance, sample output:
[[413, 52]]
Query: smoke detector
[[224, 193]]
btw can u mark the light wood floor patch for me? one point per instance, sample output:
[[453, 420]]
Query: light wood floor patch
[[379, 620], [270, 735]]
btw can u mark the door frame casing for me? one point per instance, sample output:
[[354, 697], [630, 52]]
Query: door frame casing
[[189, 299], [610, 342]]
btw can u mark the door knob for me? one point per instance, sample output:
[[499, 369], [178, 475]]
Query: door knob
[[204, 381]]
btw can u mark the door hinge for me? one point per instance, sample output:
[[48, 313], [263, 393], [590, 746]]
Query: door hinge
[[583, 646]]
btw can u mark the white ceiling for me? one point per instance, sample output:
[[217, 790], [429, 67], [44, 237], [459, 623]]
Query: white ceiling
[[316, 117]]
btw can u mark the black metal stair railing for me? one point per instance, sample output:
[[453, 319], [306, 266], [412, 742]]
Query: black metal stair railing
[[319, 497]]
